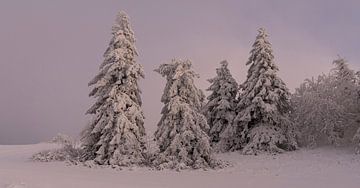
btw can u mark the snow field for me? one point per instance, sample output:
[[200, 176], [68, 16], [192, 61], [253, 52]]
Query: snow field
[[324, 167]]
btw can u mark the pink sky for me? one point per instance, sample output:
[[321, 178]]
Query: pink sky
[[49, 50]]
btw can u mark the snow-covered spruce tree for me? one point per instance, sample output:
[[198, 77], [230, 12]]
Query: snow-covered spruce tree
[[262, 122], [181, 135], [220, 109], [116, 134]]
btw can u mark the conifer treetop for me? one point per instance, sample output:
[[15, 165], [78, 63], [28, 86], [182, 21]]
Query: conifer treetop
[[179, 74], [262, 51], [122, 25], [119, 63], [262, 83], [223, 84]]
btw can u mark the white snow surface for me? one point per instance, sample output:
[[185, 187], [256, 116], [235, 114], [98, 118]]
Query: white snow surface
[[325, 167]]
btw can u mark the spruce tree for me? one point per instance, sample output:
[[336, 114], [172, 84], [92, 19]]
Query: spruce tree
[[262, 122], [220, 108], [181, 135], [116, 134]]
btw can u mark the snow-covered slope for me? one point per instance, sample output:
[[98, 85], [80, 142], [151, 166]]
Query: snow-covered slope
[[319, 168]]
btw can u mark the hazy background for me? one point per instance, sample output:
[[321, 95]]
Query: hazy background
[[49, 50]]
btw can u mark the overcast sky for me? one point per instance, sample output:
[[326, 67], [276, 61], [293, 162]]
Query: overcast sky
[[49, 50]]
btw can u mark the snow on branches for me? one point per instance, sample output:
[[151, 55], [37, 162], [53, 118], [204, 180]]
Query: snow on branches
[[327, 107], [262, 121], [116, 134], [181, 135], [220, 108]]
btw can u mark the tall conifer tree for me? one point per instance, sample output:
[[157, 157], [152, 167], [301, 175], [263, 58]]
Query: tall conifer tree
[[181, 135], [116, 134], [262, 122], [220, 108]]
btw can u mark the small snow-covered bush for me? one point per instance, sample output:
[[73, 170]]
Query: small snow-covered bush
[[65, 153], [62, 139]]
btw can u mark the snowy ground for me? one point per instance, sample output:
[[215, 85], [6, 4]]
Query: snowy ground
[[320, 168]]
